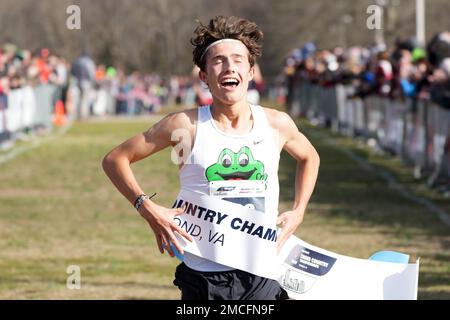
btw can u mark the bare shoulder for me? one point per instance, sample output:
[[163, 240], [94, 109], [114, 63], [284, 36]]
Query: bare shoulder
[[163, 130], [185, 119], [279, 120]]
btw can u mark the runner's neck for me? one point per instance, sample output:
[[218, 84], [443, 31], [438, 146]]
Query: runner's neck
[[237, 118]]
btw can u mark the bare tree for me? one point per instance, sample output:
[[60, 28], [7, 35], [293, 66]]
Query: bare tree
[[153, 35]]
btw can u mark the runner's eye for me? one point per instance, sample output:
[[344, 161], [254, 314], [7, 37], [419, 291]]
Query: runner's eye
[[226, 160], [243, 160]]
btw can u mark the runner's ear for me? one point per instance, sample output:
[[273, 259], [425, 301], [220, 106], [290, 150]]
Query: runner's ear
[[203, 76], [251, 73]]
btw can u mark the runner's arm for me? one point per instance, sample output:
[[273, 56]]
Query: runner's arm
[[116, 165], [308, 161]]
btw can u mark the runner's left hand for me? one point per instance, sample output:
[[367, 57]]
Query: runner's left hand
[[289, 222]]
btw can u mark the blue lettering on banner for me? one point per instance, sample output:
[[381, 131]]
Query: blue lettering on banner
[[216, 237], [177, 204], [246, 226], [191, 210], [197, 211], [217, 217], [191, 228]]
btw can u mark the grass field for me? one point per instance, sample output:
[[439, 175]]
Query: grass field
[[57, 208]]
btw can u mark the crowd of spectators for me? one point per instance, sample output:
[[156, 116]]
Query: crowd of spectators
[[83, 87], [20, 71], [404, 70]]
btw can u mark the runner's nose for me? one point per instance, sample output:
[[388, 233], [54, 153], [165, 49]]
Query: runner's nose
[[230, 66]]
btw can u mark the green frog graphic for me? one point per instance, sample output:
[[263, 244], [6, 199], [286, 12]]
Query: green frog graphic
[[236, 166]]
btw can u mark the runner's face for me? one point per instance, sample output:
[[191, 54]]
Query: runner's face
[[228, 72]]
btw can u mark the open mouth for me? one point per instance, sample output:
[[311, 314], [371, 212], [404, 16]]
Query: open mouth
[[230, 83], [237, 175]]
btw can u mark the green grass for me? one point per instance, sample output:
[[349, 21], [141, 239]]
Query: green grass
[[57, 208]]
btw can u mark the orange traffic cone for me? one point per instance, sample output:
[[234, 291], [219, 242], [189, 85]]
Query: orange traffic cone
[[59, 119]]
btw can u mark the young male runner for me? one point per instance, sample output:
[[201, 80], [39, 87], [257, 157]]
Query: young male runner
[[231, 141]]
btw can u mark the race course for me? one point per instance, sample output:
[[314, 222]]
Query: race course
[[57, 209]]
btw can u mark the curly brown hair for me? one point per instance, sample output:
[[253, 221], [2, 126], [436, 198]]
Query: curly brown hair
[[221, 27]]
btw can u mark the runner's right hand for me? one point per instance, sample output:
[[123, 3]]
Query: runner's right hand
[[164, 227]]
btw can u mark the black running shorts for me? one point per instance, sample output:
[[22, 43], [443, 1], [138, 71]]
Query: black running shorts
[[225, 285]]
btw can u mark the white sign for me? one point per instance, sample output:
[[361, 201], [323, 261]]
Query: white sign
[[245, 239], [309, 272], [229, 233]]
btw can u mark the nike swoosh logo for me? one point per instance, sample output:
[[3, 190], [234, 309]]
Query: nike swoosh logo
[[258, 141]]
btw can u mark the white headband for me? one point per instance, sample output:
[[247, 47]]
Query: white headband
[[217, 42]]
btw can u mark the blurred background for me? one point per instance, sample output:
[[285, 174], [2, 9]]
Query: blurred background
[[154, 35], [374, 102]]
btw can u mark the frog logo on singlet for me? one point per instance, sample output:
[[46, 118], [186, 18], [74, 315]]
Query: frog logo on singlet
[[236, 166], [239, 178]]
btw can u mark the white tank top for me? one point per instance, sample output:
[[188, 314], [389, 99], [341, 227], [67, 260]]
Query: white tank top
[[220, 158]]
